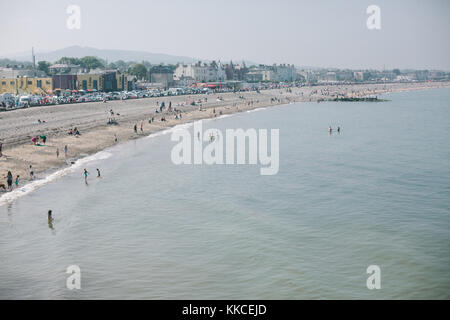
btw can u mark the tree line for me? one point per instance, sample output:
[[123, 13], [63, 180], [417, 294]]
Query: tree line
[[141, 70]]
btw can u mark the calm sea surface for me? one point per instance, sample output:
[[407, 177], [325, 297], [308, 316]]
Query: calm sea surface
[[376, 194]]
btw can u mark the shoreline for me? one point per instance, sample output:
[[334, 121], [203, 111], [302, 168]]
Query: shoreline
[[97, 137]]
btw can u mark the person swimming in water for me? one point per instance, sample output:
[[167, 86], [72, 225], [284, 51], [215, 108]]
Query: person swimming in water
[[339, 129], [330, 130]]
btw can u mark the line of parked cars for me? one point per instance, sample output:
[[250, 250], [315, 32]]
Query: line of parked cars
[[9, 101]]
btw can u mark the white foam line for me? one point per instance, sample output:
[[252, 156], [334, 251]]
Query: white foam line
[[257, 109], [33, 185]]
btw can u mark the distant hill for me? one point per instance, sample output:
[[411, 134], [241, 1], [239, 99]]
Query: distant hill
[[111, 55]]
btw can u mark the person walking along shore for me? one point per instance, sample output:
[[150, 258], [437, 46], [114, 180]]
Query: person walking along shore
[[85, 173]]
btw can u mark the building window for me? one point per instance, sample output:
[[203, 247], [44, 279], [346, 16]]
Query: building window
[[47, 82], [30, 82], [3, 83], [39, 83], [12, 83]]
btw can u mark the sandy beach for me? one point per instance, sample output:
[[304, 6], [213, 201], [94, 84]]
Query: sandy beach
[[19, 126]]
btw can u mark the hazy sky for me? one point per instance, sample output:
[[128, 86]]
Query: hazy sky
[[328, 33]]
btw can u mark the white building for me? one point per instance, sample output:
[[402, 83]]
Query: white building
[[285, 72], [200, 72]]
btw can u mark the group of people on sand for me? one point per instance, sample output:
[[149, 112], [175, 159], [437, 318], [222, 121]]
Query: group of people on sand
[[9, 180], [9, 176], [36, 140], [74, 132]]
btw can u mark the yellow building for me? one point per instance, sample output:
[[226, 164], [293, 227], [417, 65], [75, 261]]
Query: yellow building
[[8, 85], [26, 85], [89, 82], [122, 82]]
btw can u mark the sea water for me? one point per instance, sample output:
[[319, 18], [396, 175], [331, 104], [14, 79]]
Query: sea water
[[378, 194]]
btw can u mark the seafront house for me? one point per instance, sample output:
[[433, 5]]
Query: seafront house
[[26, 85], [63, 82], [24, 81], [200, 72], [162, 75]]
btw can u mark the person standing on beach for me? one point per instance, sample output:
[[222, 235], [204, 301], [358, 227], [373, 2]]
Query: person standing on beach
[[31, 172], [115, 138], [142, 126], [65, 150], [135, 128], [17, 181], [98, 173], [57, 152], [1, 149], [9, 179], [85, 173]]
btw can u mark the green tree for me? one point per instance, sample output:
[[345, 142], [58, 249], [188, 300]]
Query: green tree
[[43, 66], [69, 60], [90, 62], [139, 70], [121, 65]]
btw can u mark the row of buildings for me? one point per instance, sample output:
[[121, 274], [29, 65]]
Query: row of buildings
[[340, 76], [73, 77], [64, 77], [187, 74], [218, 72]]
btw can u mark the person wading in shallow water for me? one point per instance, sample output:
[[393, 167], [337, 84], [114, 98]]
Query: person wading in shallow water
[[85, 173], [50, 219]]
